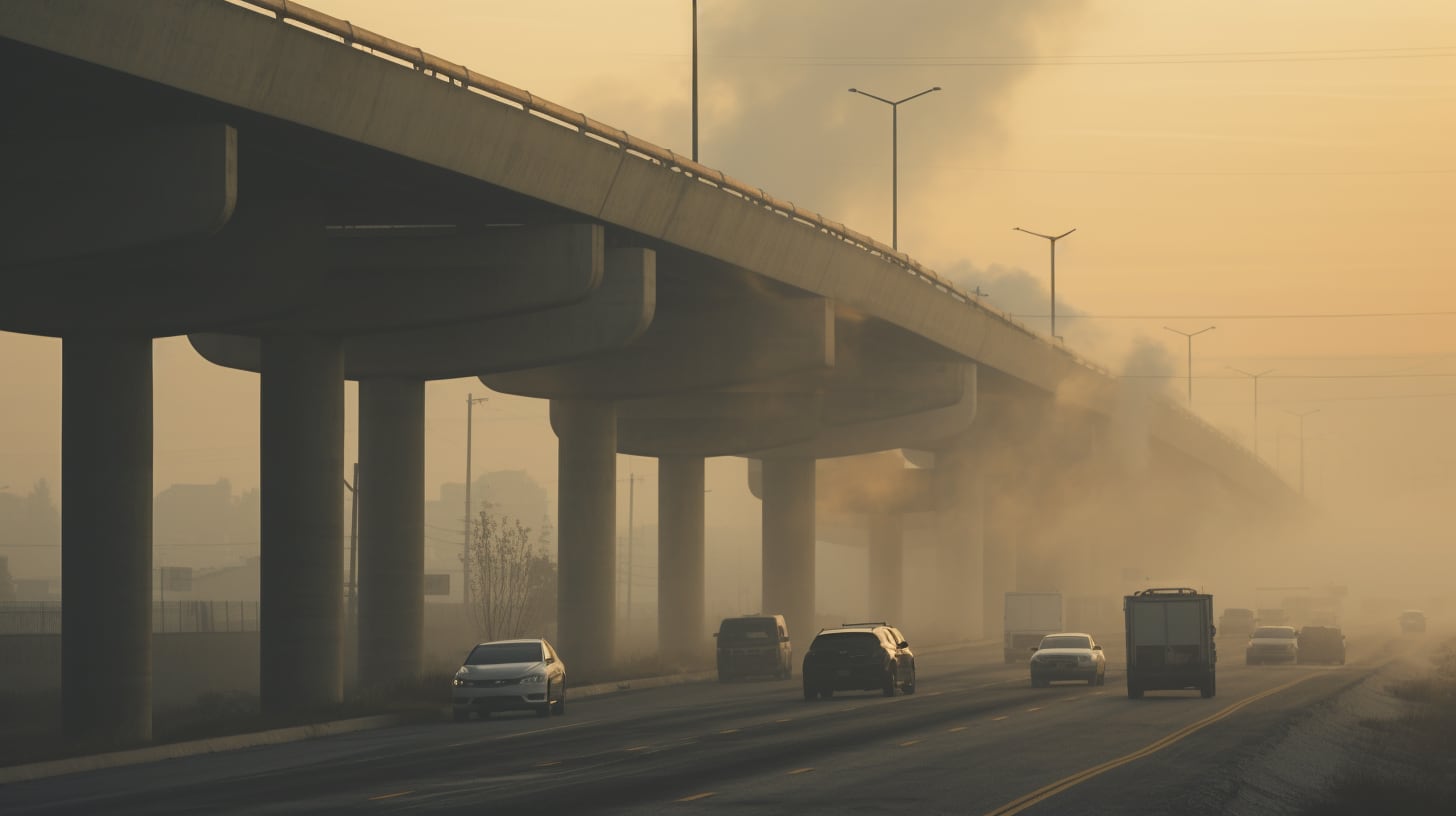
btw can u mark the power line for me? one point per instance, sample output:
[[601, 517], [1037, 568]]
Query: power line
[[1266, 316]]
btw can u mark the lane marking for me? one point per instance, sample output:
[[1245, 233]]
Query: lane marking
[[787, 719], [908, 743], [389, 795], [695, 797], [957, 728], [637, 748], [1034, 708], [933, 694], [797, 771], [729, 731], [1041, 794], [1000, 718], [553, 763]]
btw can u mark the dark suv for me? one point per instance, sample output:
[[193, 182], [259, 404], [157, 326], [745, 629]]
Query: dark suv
[[1321, 644], [859, 657]]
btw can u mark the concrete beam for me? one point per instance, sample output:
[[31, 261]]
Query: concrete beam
[[910, 430], [609, 318], [697, 346], [718, 423], [876, 483], [71, 198]]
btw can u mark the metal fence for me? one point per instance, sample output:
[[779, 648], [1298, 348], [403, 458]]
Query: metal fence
[[44, 617]]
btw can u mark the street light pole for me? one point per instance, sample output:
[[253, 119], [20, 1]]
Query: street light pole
[[470, 400], [1190, 336], [695, 80], [1255, 378], [894, 155], [1302, 415], [1052, 239]]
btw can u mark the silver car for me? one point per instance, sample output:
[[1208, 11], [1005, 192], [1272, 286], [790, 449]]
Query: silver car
[[510, 675], [1068, 656], [1272, 644]]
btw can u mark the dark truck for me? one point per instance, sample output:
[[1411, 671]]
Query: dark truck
[[1169, 641], [754, 645]]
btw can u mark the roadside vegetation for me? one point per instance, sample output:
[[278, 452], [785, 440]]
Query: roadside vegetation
[[1417, 774]]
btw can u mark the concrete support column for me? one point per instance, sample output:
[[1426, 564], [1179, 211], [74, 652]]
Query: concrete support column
[[887, 566], [681, 634], [302, 469], [586, 529], [106, 523], [959, 554], [788, 543], [999, 560], [391, 530]]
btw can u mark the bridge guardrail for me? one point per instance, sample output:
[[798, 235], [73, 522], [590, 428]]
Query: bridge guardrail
[[488, 87]]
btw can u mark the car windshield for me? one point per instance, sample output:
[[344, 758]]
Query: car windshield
[[747, 629], [491, 654], [1273, 632], [847, 640], [1066, 642]]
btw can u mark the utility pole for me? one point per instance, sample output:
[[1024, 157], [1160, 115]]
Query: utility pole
[[631, 524], [1255, 378], [470, 400], [353, 605], [1052, 239], [1190, 336], [1302, 415]]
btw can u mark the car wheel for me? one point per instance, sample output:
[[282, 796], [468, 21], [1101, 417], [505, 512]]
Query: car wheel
[[1208, 688], [460, 715], [560, 707], [910, 686], [1092, 681], [826, 692], [891, 681], [1102, 679], [1134, 692], [810, 693]]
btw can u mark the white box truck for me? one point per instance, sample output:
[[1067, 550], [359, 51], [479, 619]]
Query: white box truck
[[1169, 641], [1030, 616]]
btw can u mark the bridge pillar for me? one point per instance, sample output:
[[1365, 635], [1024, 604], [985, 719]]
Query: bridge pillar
[[999, 563], [302, 469], [887, 566], [958, 543], [681, 635], [586, 529], [391, 530], [788, 542], [106, 522]]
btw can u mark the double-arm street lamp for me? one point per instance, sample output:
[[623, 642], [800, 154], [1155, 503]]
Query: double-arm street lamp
[[894, 155], [1190, 336], [1255, 377], [1053, 239]]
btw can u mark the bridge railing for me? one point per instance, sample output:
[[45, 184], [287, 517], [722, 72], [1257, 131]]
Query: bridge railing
[[491, 88]]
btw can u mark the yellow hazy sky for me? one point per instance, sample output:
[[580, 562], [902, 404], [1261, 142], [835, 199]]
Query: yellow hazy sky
[[1220, 160]]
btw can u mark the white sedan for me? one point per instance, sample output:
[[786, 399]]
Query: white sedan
[[510, 675], [1068, 656]]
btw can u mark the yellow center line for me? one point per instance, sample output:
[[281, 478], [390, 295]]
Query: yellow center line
[[1000, 718], [797, 771], [389, 795], [957, 728], [1041, 794], [908, 743], [695, 797]]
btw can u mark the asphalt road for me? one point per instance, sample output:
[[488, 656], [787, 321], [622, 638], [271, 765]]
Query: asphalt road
[[975, 738]]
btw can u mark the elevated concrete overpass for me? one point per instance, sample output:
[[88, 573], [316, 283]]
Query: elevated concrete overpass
[[316, 202]]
